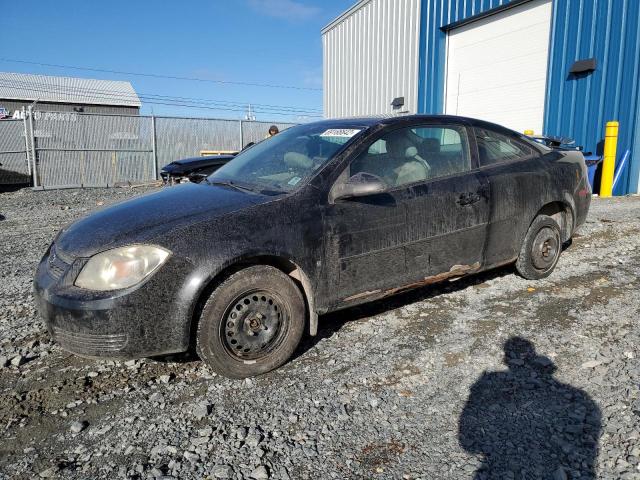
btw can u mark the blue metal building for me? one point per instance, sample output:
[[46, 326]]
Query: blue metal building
[[571, 100]]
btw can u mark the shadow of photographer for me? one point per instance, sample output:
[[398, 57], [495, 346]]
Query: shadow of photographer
[[528, 425]]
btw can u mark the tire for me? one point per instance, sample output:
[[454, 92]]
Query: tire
[[252, 323], [540, 250]]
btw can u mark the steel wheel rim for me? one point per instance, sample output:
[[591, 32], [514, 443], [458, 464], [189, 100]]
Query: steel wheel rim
[[254, 325], [545, 248]]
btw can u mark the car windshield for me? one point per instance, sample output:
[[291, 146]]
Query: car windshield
[[286, 160]]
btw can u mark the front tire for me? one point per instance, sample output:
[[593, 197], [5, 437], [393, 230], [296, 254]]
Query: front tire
[[252, 323], [540, 250]]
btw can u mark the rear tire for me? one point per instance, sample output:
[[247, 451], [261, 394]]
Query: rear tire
[[252, 323], [540, 250]]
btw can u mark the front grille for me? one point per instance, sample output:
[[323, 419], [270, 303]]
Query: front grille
[[89, 344], [57, 264]]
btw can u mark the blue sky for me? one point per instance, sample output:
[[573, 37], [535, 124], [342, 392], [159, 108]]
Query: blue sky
[[255, 41]]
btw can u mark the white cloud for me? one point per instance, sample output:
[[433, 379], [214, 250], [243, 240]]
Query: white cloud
[[286, 9]]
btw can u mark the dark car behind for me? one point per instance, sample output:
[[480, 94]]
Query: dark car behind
[[194, 169]]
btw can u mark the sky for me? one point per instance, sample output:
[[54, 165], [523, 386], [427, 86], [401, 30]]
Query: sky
[[273, 42]]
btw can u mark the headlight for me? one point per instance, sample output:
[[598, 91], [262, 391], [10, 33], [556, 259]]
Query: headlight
[[121, 267]]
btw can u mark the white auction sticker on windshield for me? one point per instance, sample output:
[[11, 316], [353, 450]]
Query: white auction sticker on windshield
[[294, 181], [340, 132]]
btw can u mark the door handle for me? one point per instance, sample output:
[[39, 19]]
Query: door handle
[[473, 198], [462, 199], [468, 198]]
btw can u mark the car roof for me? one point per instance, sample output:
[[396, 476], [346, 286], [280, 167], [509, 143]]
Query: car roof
[[204, 157], [400, 119]]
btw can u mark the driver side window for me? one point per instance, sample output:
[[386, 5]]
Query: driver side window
[[413, 154]]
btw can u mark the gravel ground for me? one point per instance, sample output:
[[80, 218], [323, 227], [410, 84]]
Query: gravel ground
[[487, 377]]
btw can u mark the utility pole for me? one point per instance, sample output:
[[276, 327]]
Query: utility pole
[[250, 116]]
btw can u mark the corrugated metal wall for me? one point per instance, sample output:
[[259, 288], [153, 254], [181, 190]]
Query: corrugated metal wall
[[12, 105], [436, 14], [579, 106], [575, 106], [371, 57], [363, 70]]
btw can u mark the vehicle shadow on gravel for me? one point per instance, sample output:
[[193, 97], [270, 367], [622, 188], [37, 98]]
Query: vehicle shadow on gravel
[[331, 323], [526, 424], [13, 187]]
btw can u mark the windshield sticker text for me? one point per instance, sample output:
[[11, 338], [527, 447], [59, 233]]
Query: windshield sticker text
[[340, 132]]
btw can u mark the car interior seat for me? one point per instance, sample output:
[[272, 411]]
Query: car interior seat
[[444, 162], [408, 165], [429, 149]]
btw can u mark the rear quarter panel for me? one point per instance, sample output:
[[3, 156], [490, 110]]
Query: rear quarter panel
[[519, 190]]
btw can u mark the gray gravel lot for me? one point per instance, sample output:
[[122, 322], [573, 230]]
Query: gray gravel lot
[[413, 387]]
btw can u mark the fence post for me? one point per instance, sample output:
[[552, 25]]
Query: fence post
[[26, 140], [156, 167], [241, 136], [33, 149]]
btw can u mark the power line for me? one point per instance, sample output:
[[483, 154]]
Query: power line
[[157, 75], [109, 94], [169, 101]]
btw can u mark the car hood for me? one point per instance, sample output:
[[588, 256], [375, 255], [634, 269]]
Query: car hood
[[149, 216]]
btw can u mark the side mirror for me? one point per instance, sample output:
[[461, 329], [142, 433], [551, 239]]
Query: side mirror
[[360, 185]]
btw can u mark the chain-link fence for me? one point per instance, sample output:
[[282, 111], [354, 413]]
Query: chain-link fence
[[187, 137], [69, 149], [14, 160], [92, 150]]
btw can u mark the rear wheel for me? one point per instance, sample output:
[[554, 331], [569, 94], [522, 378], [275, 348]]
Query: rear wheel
[[252, 323], [540, 250]]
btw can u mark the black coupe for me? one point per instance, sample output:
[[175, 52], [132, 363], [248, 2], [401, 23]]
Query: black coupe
[[323, 216]]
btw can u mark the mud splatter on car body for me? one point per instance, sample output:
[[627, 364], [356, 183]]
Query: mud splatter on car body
[[340, 251]]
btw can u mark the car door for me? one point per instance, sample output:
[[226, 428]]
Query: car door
[[364, 238], [513, 170], [431, 217], [448, 211]]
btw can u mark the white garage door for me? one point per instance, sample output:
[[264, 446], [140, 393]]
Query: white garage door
[[497, 67]]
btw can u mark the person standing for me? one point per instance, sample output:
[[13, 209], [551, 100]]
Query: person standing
[[273, 131]]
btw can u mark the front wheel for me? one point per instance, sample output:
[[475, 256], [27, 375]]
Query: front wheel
[[540, 250], [252, 323]]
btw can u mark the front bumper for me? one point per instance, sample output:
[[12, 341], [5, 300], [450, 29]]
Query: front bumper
[[170, 178], [142, 321]]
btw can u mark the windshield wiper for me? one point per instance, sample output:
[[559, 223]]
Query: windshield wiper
[[266, 191], [229, 183]]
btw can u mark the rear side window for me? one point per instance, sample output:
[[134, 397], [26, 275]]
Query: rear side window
[[495, 148]]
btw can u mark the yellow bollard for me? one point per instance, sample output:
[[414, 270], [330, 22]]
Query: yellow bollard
[[528, 132], [609, 162]]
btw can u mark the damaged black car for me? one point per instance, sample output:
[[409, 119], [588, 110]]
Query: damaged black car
[[193, 169], [321, 217]]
